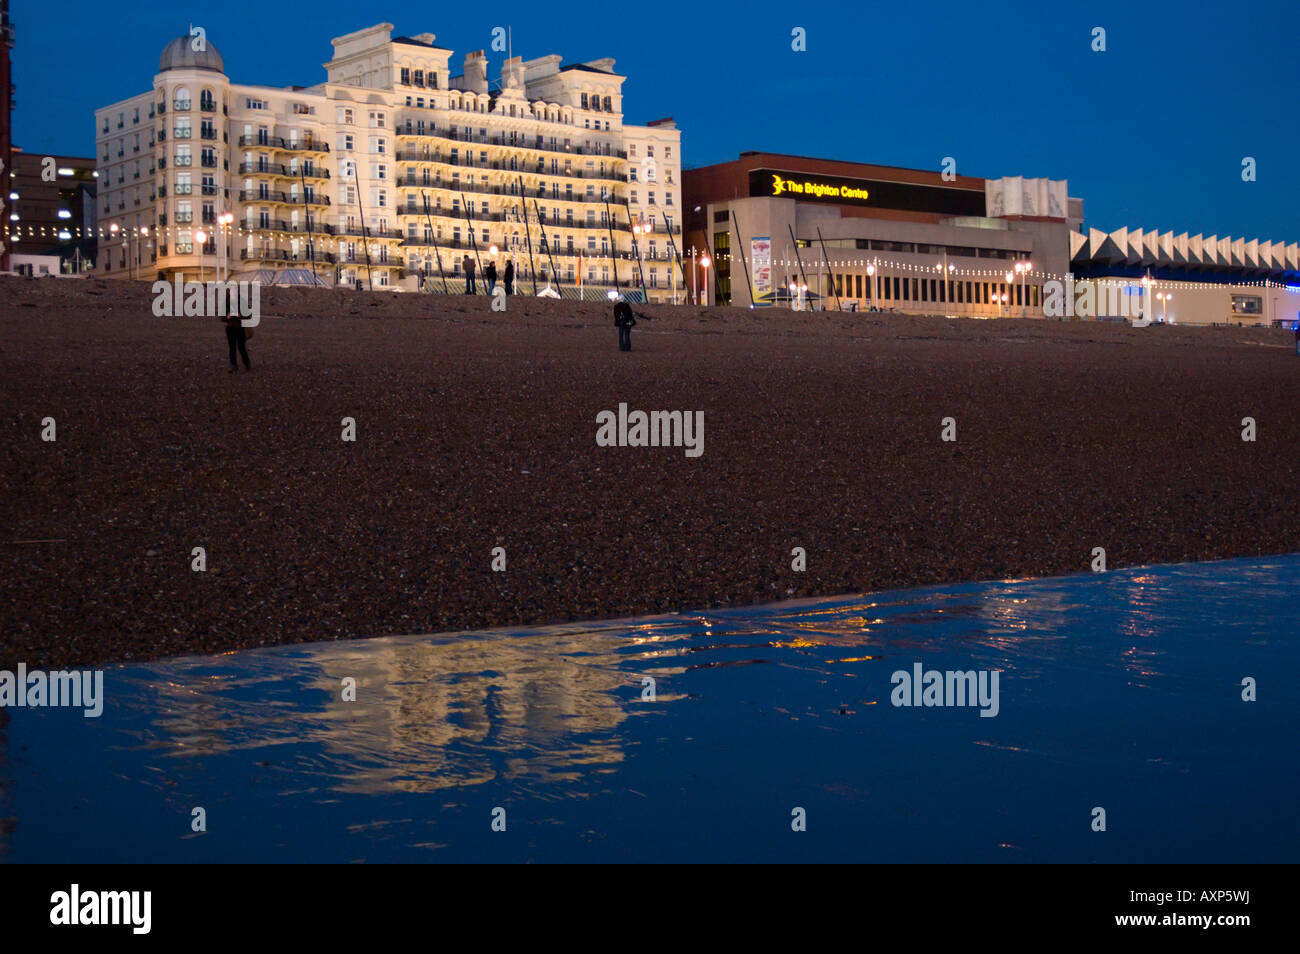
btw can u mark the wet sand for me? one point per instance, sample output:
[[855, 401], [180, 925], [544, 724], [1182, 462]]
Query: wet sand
[[476, 430]]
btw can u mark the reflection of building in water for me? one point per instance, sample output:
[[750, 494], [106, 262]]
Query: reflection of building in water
[[466, 711], [428, 715]]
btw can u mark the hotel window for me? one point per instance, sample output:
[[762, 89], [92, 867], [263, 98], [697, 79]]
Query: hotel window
[[650, 198], [406, 78], [377, 120], [344, 115], [607, 106], [634, 198], [631, 150], [585, 104], [857, 281], [419, 78]]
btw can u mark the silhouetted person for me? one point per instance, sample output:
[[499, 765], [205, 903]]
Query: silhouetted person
[[469, 276], [1296, 329], [624, 319], [237, 337], [510, 278], [490, 277]]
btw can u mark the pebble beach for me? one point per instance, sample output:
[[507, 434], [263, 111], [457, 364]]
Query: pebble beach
[[476, 430]]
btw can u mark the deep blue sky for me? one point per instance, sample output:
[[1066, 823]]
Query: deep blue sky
[[1150, 133]]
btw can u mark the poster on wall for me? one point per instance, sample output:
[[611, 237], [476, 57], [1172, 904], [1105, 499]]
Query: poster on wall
[[760, 255]]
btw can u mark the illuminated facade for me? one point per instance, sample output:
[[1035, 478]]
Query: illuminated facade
[[780, 229], [390, 173], [860, 236]]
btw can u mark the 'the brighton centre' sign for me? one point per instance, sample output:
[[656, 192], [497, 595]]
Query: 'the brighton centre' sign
[[798, 186], [878, 193]]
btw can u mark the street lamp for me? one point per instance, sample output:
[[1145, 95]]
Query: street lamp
[[946, 269], [1023, 268], [871, 277], [705, 262], [1164, 297], [224, 221], [201, 237]]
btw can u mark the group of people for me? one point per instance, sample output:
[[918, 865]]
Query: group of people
[[489, 277]]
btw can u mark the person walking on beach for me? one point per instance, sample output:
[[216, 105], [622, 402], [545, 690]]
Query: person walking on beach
[[237, 338], [510, 277], [624, 319], [469, 276], [490, 277]]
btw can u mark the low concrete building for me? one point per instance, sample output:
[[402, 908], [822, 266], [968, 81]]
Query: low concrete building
[[867, 236]]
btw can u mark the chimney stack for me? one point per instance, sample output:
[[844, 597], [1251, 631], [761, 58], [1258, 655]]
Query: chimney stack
[[476, 72]]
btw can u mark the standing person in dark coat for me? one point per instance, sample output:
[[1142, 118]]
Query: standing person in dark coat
[[624, 319], [510, 277], [469, 276], [237, 337], [490, 277]]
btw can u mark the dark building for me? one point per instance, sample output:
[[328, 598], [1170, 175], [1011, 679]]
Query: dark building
[[6, 122], [53, 199]]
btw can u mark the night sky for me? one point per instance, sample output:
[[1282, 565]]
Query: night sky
[[1150, 133]]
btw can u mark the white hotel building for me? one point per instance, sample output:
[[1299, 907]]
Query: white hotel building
[[390, 173]]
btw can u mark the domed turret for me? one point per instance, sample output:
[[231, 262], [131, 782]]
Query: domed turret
[[180, 54]]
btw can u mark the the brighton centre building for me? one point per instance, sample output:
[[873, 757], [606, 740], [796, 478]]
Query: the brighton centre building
[[391, 173], [820, 233]]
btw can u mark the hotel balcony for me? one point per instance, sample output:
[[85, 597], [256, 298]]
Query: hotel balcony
[[280, 170], [302, 258], [369, 232], [537, 145], [282, 198], [456, 186], [277, 142], [282, 225], [497, 165]]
